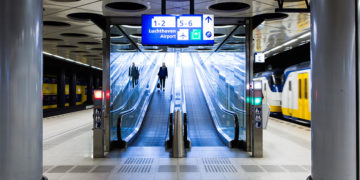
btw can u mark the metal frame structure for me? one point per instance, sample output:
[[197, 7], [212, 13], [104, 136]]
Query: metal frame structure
[[249, 77], [248, 22]]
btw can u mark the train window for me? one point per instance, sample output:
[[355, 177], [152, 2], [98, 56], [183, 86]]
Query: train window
[[306, 92], [276, 79], [299, 88], [264, 86], [270, 81], [289, 85]]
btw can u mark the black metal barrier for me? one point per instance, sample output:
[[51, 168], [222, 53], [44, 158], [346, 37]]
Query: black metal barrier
[[119, 143], [168, 143], [186, 139]]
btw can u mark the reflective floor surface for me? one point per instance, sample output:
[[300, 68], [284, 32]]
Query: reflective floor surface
[[68, 149]]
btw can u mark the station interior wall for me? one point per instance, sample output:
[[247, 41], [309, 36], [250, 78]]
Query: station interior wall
[[84, 76], [285, 59]]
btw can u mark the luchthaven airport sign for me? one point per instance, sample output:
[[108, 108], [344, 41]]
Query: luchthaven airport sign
[[194, 29]]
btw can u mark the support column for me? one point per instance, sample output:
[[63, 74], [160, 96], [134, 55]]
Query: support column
[[334, 97], [106, 87], [60, 81], [20, 89], [249, 76], [72, 88]]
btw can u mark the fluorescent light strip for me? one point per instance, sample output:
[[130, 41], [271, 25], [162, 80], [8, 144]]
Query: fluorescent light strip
[[305, 35], [131, 26], [289, 42], [70, 60], [224, 26], [97, 68]]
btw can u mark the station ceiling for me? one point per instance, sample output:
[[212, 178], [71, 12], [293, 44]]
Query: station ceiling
[[68, 33]]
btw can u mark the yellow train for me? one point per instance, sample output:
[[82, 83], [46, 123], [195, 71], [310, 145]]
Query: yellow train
[[50, 93], [288, 92], [296, 94], [272, 87]]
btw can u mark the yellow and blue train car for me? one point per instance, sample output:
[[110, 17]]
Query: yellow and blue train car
[[50, 93], [296, 94], [271, 89]]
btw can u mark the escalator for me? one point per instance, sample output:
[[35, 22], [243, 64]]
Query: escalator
[[189, 98], [201, 129], [154, 128]]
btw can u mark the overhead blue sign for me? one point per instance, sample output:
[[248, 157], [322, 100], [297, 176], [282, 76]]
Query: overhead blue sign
[[194, 29]]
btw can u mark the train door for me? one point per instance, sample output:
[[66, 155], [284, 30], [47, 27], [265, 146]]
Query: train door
[[265, 94], [303, 95], [290, 97]]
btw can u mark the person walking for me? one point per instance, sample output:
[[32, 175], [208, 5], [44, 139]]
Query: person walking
[[163, 74], [134, 74]]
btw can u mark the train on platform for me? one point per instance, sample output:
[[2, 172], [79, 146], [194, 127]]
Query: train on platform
[[50, 92], [288, 92], [272, 88]]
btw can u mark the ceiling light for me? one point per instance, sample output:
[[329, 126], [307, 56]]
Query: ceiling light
[[305, 35], [65, 59], [131, 26], [289, 42], [225, 26]]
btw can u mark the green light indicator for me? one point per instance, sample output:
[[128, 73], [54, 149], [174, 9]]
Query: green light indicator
[[247, 99], [257, 101], [195, 34]]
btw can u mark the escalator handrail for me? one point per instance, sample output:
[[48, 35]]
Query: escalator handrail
[[237, 109]]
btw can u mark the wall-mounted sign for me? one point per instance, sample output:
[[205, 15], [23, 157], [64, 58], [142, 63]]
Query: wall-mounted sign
[[194, 29], [259, 58]]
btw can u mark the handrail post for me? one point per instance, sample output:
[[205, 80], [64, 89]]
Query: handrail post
[[178, 148]]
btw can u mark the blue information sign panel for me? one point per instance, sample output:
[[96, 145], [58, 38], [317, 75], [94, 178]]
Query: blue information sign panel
[[194, 29]]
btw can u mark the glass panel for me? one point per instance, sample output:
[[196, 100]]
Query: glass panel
[[127, 91], [225, 84]]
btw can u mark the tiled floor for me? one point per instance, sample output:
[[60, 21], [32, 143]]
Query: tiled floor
[[67, 155]]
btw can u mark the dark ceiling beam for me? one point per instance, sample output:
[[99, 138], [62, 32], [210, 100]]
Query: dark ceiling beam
[[227, 37], [163, 6], [128, 37], [192, 7]]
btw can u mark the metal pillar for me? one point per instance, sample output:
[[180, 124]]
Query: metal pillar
[[72, 88], [192, 7], [60, 80], [249, 76], [163, 6], [106, 86], [20, 89], [334, 97]]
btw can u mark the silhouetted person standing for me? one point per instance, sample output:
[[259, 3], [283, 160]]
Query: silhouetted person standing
[[163, 74], [134, 74]]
